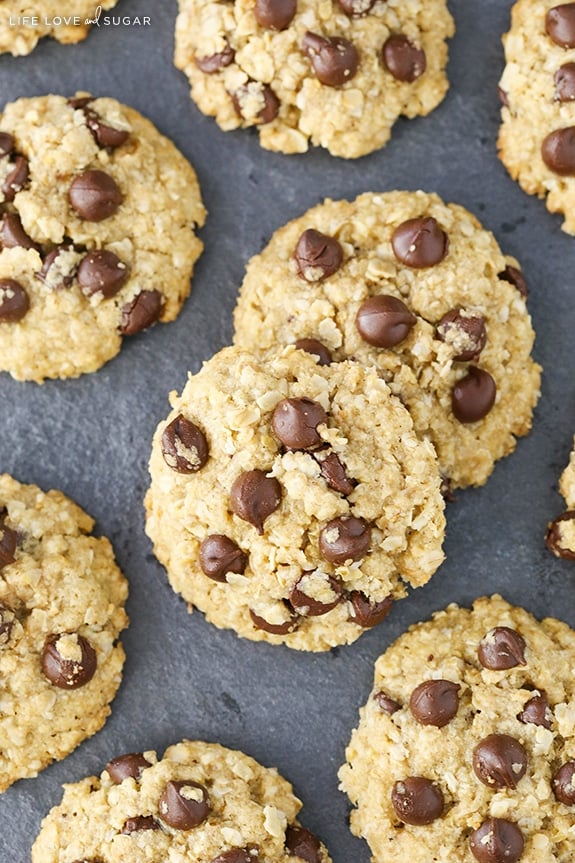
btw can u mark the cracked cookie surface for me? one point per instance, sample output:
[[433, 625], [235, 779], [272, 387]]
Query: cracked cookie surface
[[19, 39]]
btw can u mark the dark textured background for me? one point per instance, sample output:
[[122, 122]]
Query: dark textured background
[[90, 437]]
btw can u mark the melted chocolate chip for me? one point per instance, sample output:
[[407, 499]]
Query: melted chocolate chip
[[464, 331], [420, 243], [101, 271], [283, 628], [564, 784], [7, 617], [515, 276], [325, 592], [6, 144], [497, 841], [501, 648], [295, 423], [95, 196], [536, 711], [105, 136], [344, 538], [334, 60], [127, 766], [238, 855], [403, 59], [564, 79], [184, 446], [386, 703], [316, 349], [384, 321], [184, 804], [367, 613], [435, 702], [140, 822], [271, 102], [356, 8], [473, 396], [558, 151], [554, 539], [212, 63], [8, 537], [560, 25], [219, 555], [64, 672], [14, 301], [334, 473], [141, 312], [15, 181], [303, 844], [254, 496], [499, 761], [275, 14], [13, 235], [317, 255], [417, 800]]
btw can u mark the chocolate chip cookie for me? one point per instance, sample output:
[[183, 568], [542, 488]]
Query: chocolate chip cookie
[[419, 289], [560, 537], [200, 803], [97, 232], [465, 749], [61, 611], [537, 89], [336, 74], [290, 501], [22, 25]]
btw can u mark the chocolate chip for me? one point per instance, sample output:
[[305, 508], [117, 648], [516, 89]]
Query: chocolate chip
[[101, 271], [15, 181], [564, 784], [501, 648], [403, 59], [315, 593], [356, 8], [334, 473], [334, 60], [503, 98], [464, 332], [303, 844], [66, 672], [238, 855], [249, 91], [64, 279], [7, 617], [384, 321], [558, 151], [435, 702], [212, 63], [417, 800], [140, 822], [130, 766], [536, 711], [344, 538], [499, 761], [14, 301], [515, 276], [13, 235], [184, 804], [219, 555], [275, 14], [473, 396], [295, 423], [254, 496], [420, 243], [6, 144], [184, 446], [316, 349], [274, 628], [105, 136], [317, 255], [141, 312], [564, 79], [554, 538], [367, 613], [386, 703], [8, 537], [560, 25], [78, 103], [95, 196], [497, 841]]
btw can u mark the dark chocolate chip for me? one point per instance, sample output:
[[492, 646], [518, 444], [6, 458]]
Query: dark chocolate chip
[[558, 151], [316, 349], [499, 761], [384, 321], [95, 196], [105, 136], [417, 800], [14, 301], [334, 60], [15, 181], [367, 613], [184, 804], [101, 271], [128, 766], [564, 784], [554, 539], [501, 648], [65, 280], [140, 313], [140, 822], [335, 475], [303, 844], [254, 496], [238, 855], [327, 594], [536, 711], [6, 144], [275, 14], [497, 841], [564, 79], [386, 703], [503, 98], [274, 628], [271, 105], [13, 235], [212, 63], [356, 8], [420, 243], [7, 616], [184, 446], [560, 25], [515, 276], [8, 537], [295, 423], [473, 396], [219, 555], [78, 103], [68, 673], [435, 702], [317, 255], [344, 538], [465, 332], [403, 59]]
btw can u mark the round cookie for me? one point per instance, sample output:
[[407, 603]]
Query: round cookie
[[201, 803], [560, 537], [61, 611], [336, 74], [419, 289], [97, 219], [465, 746], [537, 89], [50, 15], [292, 502]]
